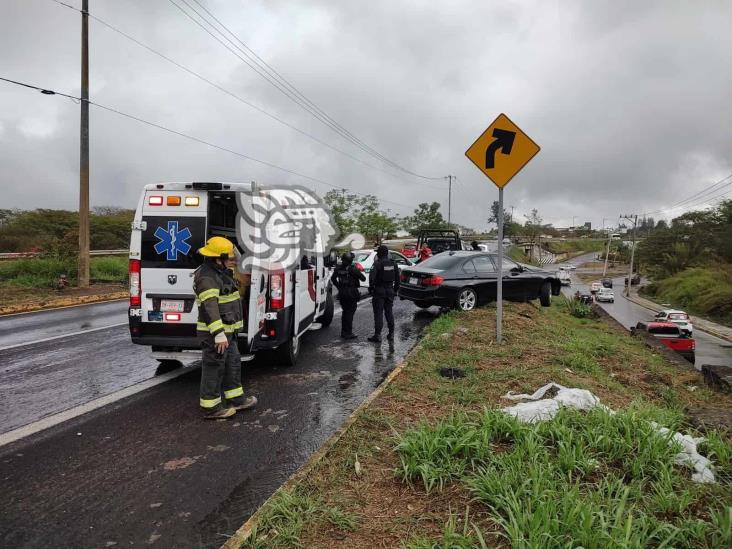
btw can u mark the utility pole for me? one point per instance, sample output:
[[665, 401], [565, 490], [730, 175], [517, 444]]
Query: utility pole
[[449, 199], [634, 219], [607, 252], [84, 151]]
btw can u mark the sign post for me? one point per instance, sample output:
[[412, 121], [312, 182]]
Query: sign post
[[516, 149]]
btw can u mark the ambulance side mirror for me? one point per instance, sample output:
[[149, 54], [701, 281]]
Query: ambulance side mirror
[[331, 259]]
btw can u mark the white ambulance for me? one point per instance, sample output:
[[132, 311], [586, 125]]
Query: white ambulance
[[172, 221]]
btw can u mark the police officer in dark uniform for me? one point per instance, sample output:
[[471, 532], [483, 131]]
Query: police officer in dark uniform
[[383, 284], [347, 279]]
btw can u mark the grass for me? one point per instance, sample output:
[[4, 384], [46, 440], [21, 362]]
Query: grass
[[430, 447], [705, 291], [44, 272], [288, 513], [592, 479]]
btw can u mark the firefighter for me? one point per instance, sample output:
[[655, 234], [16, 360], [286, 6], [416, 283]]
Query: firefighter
[[383, 284], [347, 279], [219, 319]]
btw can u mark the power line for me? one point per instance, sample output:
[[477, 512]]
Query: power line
[[47, 91], [238, 97], [282, 85], [693, 198]]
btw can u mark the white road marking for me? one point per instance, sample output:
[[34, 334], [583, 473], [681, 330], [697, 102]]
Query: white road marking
[[61, 336], [56, 419], [51, 421]]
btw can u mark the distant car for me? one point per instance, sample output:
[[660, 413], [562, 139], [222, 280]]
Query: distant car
[[464, 280], [564, 277], [570, 266], [634, 281], [605, 295], [587, 299], [364, 259], [680, 318], [409, 250], [671, 336], [607, 282], [595, 287]]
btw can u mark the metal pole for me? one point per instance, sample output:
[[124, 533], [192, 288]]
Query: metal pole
[[632, 256], [499, 274], [607, 254], [84, 152], [449, 200]]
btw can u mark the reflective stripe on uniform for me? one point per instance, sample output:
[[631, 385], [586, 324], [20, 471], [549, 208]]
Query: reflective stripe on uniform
[[228, 328], [229, 298], [215, 325], [207, 294], [233, 393], [210, 402]]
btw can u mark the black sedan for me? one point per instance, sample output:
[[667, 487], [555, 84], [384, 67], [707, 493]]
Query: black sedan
[[466, 279]]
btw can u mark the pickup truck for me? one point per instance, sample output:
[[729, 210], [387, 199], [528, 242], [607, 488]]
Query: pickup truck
[[670, 335]]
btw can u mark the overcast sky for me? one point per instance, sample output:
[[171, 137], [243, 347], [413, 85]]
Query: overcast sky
[[630, 101]]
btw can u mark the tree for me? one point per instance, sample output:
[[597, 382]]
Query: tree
[[532, 229], [376, 225], [508, 224], [426, 216]]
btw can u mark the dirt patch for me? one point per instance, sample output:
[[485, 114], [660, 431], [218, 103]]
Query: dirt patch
[[21, 300]]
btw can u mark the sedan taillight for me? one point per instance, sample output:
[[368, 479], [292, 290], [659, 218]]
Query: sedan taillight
[[433, 280]]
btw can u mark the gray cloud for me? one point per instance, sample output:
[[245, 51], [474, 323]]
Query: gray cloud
[[628, 100]]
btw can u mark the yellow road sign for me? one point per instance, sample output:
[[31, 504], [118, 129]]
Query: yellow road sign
[[502, 151]]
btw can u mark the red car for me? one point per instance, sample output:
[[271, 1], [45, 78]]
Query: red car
[[409, 250], [670, 335]]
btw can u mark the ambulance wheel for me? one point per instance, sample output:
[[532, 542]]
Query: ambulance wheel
[[287, 353], [327, 317]]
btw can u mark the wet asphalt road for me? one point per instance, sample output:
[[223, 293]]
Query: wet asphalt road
[[29, 327], [146, 469], [709, 349]]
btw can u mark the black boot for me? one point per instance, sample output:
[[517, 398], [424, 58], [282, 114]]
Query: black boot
[[375, 339]]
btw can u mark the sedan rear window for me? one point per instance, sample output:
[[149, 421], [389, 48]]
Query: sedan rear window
[[440, 262], [362, 257], [664, 330], [678, 316]]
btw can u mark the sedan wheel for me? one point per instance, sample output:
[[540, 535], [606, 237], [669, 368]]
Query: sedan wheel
[[467, 299]]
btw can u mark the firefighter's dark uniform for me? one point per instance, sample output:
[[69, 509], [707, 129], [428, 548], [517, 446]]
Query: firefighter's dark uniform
[[346, 278], [383, 284], [219, 310]]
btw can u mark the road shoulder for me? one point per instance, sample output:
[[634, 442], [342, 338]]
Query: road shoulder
[[357, 491]]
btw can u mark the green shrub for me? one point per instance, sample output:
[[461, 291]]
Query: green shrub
[[706, 291], [43, 272], [575, 307]]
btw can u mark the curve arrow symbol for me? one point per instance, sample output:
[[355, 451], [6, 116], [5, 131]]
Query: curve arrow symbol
[[504, 143]]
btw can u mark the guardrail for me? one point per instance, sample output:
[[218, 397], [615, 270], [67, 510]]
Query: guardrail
[[22, 255]]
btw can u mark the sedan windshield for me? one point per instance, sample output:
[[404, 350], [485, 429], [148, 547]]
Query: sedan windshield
[[363, 256]]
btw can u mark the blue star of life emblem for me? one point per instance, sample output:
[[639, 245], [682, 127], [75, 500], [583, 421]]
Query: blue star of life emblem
[[172, 241]]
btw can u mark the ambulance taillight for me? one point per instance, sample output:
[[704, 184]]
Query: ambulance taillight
[[277, 290], [135, 288]]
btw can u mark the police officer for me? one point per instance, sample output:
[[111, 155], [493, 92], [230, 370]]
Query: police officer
[[383, 284], [347, 279], [219, 319]]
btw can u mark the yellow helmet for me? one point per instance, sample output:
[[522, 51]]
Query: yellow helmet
[[216, 246]]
